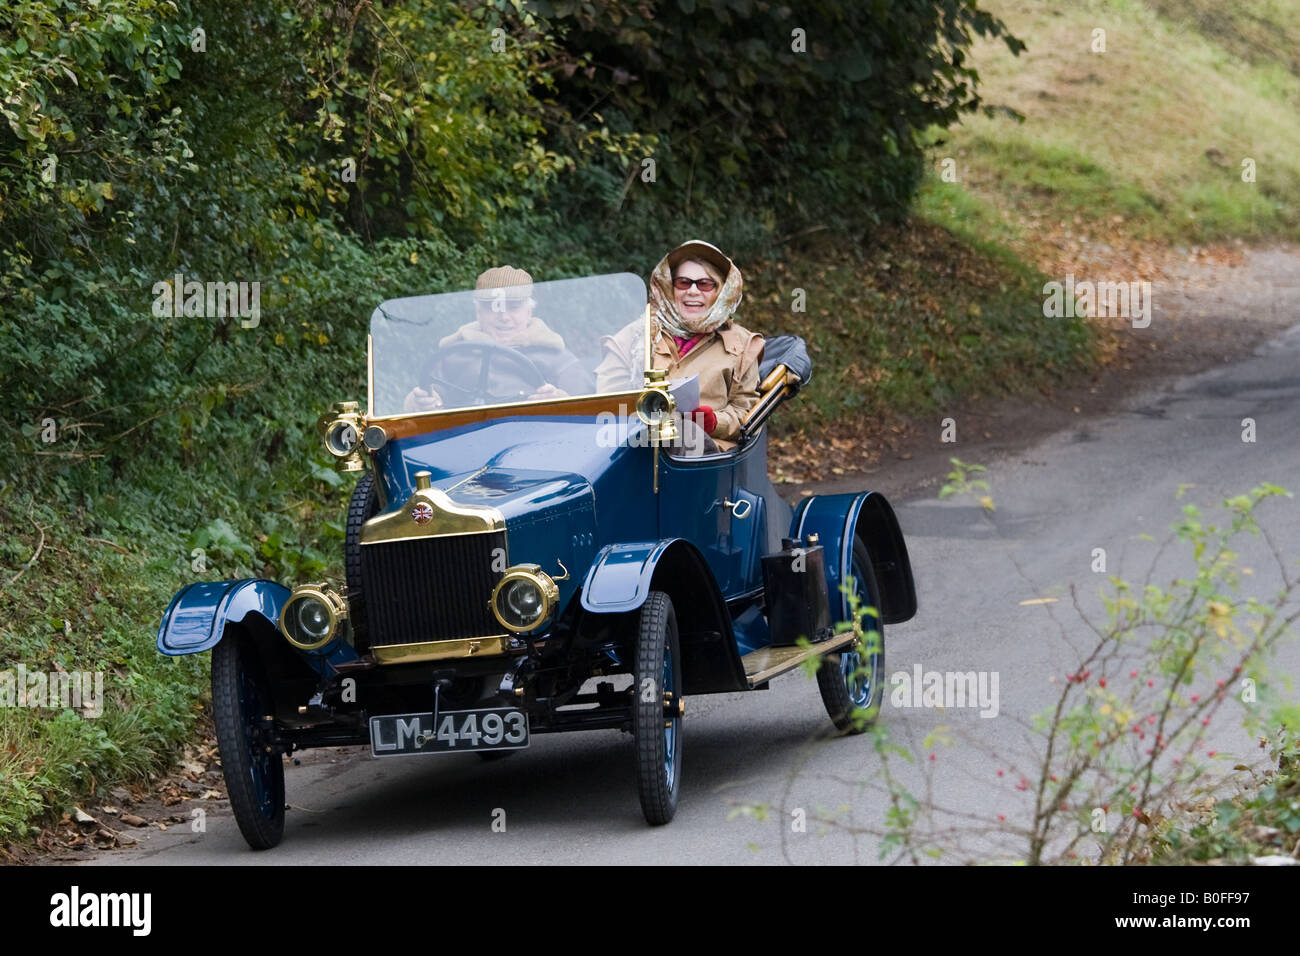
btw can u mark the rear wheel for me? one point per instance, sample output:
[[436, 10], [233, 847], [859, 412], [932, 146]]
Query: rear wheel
[[656, 713], [254, 771], [851, 682]]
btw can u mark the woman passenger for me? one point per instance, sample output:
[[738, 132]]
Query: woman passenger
[[694, 292]]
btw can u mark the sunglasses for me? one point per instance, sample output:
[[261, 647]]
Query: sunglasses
[[705, 285]]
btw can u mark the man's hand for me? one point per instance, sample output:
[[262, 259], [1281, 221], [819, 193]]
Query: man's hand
[[548, 391], [422, 400]]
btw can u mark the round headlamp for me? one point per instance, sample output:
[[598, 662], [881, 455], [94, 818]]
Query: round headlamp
[[341, 438], [524, 598], [654, 405], [312, 617]]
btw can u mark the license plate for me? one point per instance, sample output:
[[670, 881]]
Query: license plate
[[448, 731]]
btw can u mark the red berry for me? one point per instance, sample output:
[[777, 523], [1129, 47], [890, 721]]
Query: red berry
[[1102, 682], [1001, 817], [1211, 753], [931, 756], [999, 773], [1151, 683], [1132, 673]]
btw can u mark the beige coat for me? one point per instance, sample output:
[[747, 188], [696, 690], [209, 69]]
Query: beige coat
[[726, 362]]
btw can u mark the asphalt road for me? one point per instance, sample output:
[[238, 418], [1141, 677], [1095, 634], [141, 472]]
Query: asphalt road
[[571, 798]]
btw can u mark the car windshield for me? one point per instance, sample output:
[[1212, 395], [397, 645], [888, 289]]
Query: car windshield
[[508, 345]]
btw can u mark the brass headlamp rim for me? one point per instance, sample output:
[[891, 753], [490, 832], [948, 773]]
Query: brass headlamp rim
[[656, 383], [546, 586], [335, 446], [334, 603], [344, 415]]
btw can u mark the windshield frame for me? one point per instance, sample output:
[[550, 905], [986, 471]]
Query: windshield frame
[[619, 402]]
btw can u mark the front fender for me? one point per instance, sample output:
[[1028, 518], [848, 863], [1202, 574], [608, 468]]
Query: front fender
[[620, 580], [837, 519], [197, 617]]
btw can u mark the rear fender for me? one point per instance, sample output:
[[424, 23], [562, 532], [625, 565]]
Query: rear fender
[[837, 520], [622, 577]]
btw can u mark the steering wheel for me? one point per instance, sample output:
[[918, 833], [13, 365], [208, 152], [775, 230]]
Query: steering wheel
[[487, 353]]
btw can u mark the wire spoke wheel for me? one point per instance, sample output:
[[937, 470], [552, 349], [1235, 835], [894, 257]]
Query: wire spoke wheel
[[851, 682], [253, 768], [657, 711]]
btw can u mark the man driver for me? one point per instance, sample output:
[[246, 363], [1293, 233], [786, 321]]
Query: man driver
[[503, 309]]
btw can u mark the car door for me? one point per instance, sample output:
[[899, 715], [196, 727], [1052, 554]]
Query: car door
[[694, 503], [759, 516]]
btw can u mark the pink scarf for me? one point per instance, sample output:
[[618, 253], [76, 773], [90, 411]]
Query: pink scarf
[[685, 345]]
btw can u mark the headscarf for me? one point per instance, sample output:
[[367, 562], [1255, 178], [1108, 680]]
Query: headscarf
[[663, 307]]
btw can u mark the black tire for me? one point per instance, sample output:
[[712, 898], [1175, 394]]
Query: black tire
[[851, 706], [363, 506], [656, 735], [254, 778]]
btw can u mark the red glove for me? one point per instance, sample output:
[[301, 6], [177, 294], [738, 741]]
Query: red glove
[[704, 417]]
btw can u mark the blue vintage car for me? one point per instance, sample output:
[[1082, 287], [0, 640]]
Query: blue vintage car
[[532, 547]]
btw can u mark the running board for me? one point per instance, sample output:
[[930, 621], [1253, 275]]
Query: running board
[[768, 662]]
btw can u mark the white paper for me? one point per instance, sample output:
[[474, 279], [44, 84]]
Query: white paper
[[685, 392]]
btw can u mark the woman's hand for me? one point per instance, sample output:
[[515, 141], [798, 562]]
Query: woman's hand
[[706, 418]]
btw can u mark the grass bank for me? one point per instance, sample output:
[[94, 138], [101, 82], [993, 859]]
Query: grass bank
[[1180, 130]]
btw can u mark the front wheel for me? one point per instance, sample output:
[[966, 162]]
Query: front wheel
[[253, 769], [657, 712], [851, 682]]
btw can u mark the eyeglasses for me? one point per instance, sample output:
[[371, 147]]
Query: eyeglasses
[[705, 285]]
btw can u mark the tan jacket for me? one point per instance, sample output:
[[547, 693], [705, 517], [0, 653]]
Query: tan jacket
[[726, 362]]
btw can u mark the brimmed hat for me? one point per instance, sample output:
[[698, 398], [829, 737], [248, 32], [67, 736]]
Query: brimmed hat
[[503, 282], [704, 251]]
